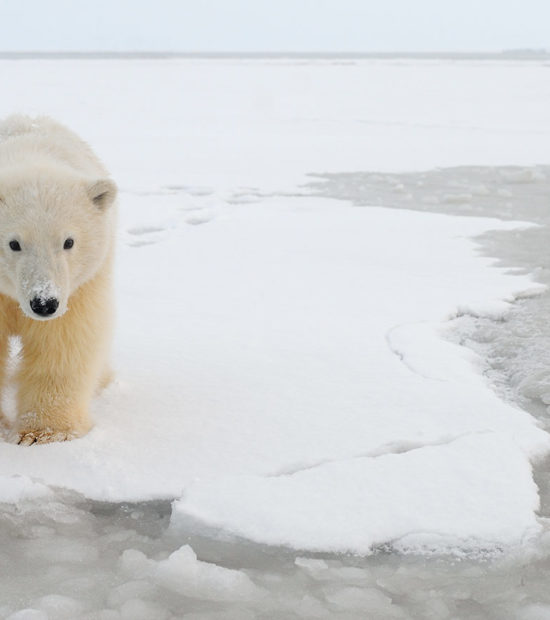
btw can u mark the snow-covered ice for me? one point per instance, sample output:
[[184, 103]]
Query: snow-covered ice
[[284, 344], [282, 369], [284, 338]]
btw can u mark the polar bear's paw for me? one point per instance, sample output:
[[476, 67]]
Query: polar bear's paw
[[27, 438]]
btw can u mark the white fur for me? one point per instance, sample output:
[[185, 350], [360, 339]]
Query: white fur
[[46, 173], [52, 188]]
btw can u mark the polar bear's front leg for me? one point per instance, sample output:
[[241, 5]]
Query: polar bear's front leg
[[58, 374], [52, 407], [4, 425]]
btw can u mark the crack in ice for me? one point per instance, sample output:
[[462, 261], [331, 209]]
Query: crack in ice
[[402, 356], [394, 447]]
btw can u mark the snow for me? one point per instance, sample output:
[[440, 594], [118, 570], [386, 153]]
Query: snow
[[279, 351], [421, 499], [263, 124], [282, 372]]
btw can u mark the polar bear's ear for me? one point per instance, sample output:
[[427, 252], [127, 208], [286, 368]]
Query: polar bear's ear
[[102, 193]]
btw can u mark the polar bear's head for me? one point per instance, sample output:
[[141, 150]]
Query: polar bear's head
[[56, 230]]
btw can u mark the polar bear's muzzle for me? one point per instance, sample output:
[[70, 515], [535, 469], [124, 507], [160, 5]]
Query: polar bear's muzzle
[[41, 298], [43, 305], [42, 285]]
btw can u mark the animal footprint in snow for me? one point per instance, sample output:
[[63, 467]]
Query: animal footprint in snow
[[145, 235], [192, 190], [199, 218]]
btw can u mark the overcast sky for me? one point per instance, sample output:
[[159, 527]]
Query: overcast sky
[[274, 25]]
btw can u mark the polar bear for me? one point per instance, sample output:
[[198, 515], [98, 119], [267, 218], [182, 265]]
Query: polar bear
[[57, 238]]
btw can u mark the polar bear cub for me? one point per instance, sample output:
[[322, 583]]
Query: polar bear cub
[[57, 238]]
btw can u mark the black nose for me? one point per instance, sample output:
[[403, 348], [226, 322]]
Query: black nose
[[43, 307]]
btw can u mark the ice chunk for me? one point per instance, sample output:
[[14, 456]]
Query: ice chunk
[[480, 190], [182, 572], [526, 175], [129, 590], [59, 607], [28, 614], [135, 563], [473, 490], [457, 198], [64, 549], [318, 569], [534, 611], [312, 565], [14, 489]]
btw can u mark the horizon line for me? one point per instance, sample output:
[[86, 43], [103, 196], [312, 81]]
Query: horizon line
[[509, 54]]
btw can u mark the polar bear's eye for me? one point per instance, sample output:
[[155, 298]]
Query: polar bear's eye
[[14, 245], [68, 244]]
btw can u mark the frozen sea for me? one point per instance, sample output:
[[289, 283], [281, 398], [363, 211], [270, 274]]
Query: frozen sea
[[332, 348]]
